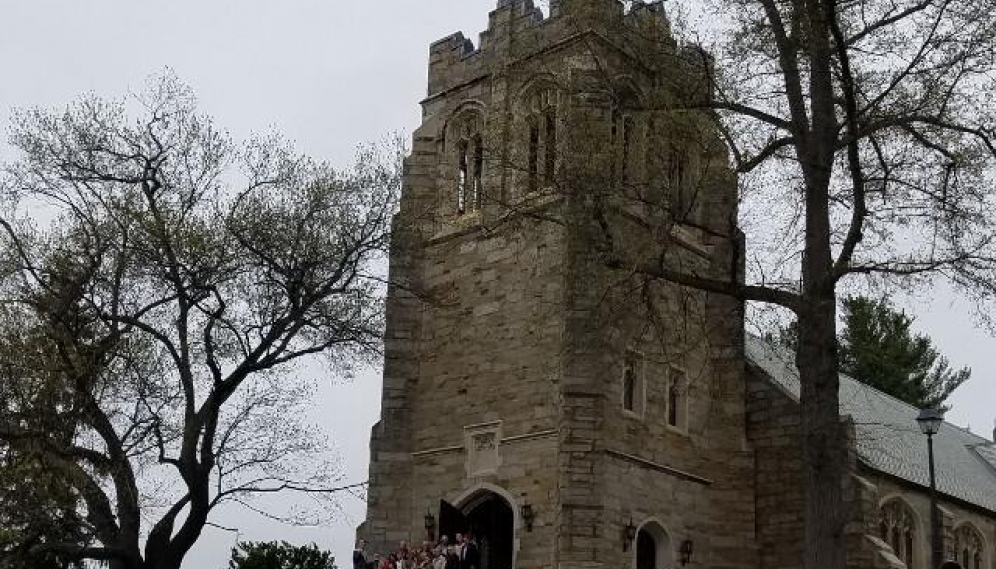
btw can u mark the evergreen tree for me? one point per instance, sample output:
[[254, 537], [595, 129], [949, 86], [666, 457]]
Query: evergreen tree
[[279, 555], [878, 348]]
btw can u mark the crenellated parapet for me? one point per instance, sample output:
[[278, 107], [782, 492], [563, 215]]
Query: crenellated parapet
[[446, 57], [518, 29], [600, 57]]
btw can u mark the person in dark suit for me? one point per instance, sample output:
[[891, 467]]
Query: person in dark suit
[[950, 565], [453, 558], [470, 554], [360, 555]]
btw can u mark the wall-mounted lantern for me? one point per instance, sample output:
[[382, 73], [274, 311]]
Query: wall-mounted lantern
[[430, 526], [628, 535], [687, 549], [528, 515]]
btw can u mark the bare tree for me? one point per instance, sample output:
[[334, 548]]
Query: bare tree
[[861, 137], [862, 133], [159, 283]]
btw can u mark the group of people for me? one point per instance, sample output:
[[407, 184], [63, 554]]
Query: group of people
[[463, 553]]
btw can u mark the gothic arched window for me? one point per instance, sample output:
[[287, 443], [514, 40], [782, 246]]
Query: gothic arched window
[[534, 151], [968, 546], [898, 528], [463, 176], [677, 399], [625, 107], [628, 126], [541, 134], [478, 187], [467, 151], [550, 144]]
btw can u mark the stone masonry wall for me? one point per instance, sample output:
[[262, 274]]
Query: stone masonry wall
[[773, 432], [619, 467], [525, 474], [697, 482], [489, 325], [489, 354]]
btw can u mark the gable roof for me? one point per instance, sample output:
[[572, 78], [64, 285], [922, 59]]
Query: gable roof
[[888, 438]]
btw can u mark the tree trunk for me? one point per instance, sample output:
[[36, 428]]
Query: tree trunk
[[824, 466], [823, 452]]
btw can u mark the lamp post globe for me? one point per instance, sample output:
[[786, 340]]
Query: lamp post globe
[[930, 421]]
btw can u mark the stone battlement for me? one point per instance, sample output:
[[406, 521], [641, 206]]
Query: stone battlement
[[517, 27]]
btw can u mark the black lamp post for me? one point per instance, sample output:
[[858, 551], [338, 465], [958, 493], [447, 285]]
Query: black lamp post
[[930, 422]]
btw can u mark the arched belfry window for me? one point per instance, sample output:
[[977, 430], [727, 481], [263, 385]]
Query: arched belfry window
[[542, 121], [969, 547], [898, 528], [679, 184], [463, 177], [626, 106], [465, 144], [626, 148], [477, 144], [549, 145], [534, 152]]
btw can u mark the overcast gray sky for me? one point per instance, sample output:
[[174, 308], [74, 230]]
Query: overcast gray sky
[[328, 74]]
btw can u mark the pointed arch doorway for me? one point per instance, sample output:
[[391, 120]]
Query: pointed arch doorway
[[652, 549], [490, 518], [646, 551]]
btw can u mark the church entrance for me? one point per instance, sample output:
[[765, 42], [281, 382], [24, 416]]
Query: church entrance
[[646, 551], [653, 547], [491, 520]]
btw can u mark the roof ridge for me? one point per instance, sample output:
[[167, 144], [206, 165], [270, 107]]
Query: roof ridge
[[780, 351], [887, 440]]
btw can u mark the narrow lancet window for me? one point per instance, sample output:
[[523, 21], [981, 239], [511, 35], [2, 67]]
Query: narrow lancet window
[[539, 132], [550, 147], [632, 383], [534, 145], [629, 388], [463, 179], [614, 138], [681, 200], [478, 196], [627, 144], [677, 400]]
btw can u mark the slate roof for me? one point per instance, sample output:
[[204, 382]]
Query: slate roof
[[888, 439]]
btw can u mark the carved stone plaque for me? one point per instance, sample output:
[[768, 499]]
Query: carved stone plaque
[[483, 452]]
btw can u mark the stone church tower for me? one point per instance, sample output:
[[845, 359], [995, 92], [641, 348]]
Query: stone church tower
[[538, 390]]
